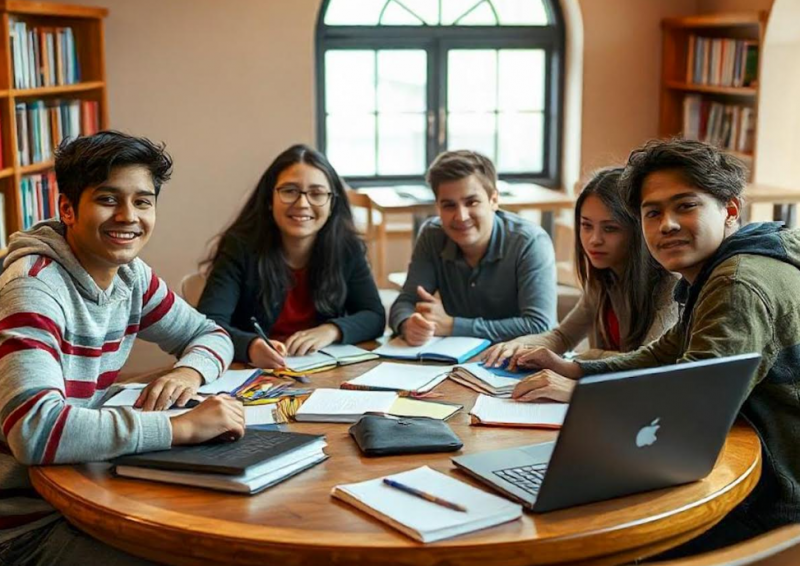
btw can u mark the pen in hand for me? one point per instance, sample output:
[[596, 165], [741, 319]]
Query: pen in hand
[[424, 495], [263, 336]]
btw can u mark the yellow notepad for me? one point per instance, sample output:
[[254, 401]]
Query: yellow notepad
[[409, 407]]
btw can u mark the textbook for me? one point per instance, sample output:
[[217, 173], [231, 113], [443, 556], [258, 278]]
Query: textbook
[[491, 411], [497, 382], [424, 520], [407, 378], [329, 357], [259, 460], [450, 349]]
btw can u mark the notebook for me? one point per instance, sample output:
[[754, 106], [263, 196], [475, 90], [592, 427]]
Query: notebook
[[388, 376], [492, 411], [260, 459], [329, 357], [492, 381], [409, 407], [423, 520], [450, 349], [342, 406]]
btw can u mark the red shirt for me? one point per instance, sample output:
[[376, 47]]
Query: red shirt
[[298, 312], [612, 329]]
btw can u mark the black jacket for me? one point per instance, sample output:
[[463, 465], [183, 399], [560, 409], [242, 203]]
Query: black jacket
[[232, 296]]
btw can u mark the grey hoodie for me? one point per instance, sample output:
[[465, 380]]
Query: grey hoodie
[[63, 341]]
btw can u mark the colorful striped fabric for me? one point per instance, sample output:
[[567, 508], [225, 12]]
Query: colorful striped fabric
[[63, 341]]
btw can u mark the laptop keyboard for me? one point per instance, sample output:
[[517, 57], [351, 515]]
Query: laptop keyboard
[[526, 478]]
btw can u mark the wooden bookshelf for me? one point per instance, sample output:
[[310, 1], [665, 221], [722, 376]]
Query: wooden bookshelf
[[87, 24], [675, 73]]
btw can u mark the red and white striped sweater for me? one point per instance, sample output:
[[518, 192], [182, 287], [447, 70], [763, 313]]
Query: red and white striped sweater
[[63, 341]]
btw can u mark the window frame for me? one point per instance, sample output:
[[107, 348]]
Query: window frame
[[436, 41]]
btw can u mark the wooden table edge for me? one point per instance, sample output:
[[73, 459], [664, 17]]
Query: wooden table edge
[[93, 518]]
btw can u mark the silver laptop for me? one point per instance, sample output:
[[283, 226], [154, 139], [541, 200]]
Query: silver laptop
[[625, 433]]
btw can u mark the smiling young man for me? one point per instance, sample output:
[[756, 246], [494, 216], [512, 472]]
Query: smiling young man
[[740, 293], [73, 298], [493, 271]]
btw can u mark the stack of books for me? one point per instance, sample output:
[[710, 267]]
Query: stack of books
[[722, 62], [43, 56], [259, 460], [497, 382]]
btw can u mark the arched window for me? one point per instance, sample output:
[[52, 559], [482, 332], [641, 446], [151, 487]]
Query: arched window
[[399, 81]]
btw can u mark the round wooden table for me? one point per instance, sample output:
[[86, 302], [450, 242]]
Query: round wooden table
[[297, 522]]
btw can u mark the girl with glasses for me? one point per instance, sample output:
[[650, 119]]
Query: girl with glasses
[[293, 260]]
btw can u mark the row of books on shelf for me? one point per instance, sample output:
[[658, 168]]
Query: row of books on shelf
[[39, 197], [722, 62], [41, 126], [728, 126], [43, 56]]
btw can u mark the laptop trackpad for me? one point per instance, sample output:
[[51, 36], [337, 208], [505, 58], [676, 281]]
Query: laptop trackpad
[[539, 453]]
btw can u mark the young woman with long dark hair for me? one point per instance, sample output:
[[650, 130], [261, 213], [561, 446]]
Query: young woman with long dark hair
[[293, 260], [627, 296]]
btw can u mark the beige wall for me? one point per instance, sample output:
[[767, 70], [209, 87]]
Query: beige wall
[[621, 75], [229, 84]]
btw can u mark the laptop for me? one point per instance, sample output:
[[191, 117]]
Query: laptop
[[625, 433]]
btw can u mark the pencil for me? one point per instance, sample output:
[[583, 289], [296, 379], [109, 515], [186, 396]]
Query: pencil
[[424, 495]]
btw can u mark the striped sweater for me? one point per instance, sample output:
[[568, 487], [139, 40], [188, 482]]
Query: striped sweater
[[63, 341]]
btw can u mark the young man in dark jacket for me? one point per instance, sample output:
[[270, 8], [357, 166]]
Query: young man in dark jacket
[[740, 293]]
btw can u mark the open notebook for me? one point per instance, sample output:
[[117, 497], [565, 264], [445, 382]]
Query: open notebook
[[450, 349], [343, 406], [505, 412], [388, 376], [497, 382], [421, 519], [329, 357]]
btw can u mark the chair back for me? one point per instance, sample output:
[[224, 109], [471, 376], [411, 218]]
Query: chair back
[[192, 286]]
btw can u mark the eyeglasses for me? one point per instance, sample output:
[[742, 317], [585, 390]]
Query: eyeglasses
[[315, 197]]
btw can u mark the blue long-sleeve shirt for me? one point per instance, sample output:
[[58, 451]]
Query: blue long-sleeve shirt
[[510, 293]]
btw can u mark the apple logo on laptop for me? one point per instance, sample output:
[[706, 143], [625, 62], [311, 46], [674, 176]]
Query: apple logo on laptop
[[647, 435]]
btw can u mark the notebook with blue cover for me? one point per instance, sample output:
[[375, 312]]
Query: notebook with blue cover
[[449, 349]]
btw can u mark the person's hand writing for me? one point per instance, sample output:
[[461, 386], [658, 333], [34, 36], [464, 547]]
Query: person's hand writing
[[262, 356], [308, 341], [500, 353], [545, 385], [174, 387], [216, 416], [431, 308], [542, 358], [416, 330]]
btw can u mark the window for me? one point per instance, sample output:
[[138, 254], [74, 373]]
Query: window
[[400, 81]]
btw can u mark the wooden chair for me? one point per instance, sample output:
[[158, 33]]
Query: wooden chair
[[192, 286], [369, 223], [780, 547]]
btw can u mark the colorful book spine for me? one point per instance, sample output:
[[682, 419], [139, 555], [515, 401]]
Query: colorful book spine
[[39, 198], [721, 62], [43, 56]]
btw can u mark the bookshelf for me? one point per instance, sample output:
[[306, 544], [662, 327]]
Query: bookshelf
[[65, 99], [709, 79]]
